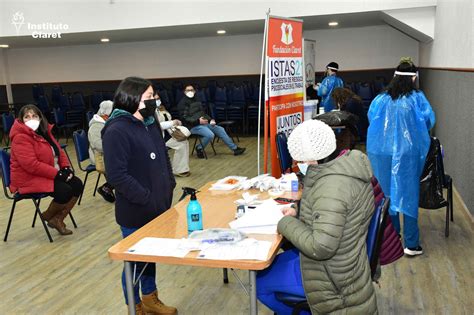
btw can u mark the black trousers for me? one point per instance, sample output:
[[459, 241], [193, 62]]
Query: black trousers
[[64, 191]]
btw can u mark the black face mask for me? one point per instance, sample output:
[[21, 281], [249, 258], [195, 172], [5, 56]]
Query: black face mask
[[149, 110]]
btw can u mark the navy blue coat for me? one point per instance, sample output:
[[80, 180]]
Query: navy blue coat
[[138, 166]]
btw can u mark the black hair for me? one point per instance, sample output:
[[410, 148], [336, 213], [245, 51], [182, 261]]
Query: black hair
[[129, 93], [331, 157], [402, 85], [43, 126], [186, 85]]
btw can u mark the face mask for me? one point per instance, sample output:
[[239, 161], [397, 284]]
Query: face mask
[[33, 124], [303, 167], [190, 94], [149, 109], [158, 103]]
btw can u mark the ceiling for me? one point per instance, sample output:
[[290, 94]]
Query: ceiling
[[190, 31]]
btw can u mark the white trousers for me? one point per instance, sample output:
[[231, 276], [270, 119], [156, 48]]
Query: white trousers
[[180, 161]]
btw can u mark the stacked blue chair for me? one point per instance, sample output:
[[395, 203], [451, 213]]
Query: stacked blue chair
[[236, 109], [212, 87], [7, 122], [61, 124], [37, 91], [96, 99], [56, 93], [64, 103], [78, 102], [284, 157], [43, 105], [220, 104]]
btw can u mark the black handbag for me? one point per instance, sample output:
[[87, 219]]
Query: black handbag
[[432, 179]]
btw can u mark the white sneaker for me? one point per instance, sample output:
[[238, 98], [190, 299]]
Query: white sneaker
[[413, 251]]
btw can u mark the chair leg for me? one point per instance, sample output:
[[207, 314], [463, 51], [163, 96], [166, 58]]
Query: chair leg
[[96, 184], [34, 217], [83, 187], [69, 159], [450, 198], [226, 275], [38, 211], [194, 145], [212, 146], [73, 221], [9, 221]]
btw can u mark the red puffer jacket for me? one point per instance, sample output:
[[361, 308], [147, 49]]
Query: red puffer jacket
[[32, 160]]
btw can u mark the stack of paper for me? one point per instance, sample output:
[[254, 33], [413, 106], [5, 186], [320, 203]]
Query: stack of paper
[[154, 246], [249, 248], [261, 220]]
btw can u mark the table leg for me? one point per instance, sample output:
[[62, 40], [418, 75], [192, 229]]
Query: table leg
[[129, 286], [253, 292]]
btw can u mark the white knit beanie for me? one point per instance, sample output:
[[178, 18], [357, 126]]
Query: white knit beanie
[[312, 140], [105, 108]]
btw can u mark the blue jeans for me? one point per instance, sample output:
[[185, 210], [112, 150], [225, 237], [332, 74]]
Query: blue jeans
[[207, 133], [284, 275], [147, 280], [411, 231]]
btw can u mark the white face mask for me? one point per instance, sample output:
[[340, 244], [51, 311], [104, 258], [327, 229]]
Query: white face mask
[[33, 124], [158, 103], [303, 167], [190, 94]]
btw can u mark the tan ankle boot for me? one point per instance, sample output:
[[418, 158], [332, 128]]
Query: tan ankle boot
[[152, 304], [53, 209], [139, 309]]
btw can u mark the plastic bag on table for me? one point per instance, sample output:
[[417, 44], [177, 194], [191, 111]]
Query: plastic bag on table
[[217, 235]]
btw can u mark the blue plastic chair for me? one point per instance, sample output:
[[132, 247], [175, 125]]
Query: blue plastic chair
[[43, 105], [236, 109], [96, 99], [7, 120], [78, 102], [220, 104], [56, 93], [37, 91], [89, 116], [61, 124], [284, 157], [81, 144], [36, 198], [374, 242]]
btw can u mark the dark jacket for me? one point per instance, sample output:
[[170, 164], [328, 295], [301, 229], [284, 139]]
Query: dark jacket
[[32, 160], [336, 208], [138, 166], [190, 110]]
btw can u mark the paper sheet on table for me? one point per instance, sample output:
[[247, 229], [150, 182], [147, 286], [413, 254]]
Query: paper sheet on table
[[249, 249], [154, 246], [261, 220]]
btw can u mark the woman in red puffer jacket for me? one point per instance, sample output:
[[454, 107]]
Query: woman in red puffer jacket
[[39, 165]]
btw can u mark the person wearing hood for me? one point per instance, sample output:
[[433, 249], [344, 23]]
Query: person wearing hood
[[96, 124], [39, 165], [329, 83], [329, 264], [137, 165], [180, 162], [398, 141], [201, 124]]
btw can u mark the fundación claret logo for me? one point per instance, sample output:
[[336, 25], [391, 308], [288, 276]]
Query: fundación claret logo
[[39, 30], [286, 33]]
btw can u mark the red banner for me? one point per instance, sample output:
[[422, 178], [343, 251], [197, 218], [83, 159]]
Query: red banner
[[284, 83]]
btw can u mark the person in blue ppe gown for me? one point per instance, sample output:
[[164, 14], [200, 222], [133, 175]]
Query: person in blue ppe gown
[[398, 141], [325, 88]]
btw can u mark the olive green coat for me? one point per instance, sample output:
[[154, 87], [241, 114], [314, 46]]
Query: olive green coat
[[335, 212]]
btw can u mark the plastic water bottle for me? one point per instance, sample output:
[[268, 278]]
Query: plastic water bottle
[[194, 214]]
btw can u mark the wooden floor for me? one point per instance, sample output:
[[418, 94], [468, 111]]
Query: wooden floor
[[73, 275]]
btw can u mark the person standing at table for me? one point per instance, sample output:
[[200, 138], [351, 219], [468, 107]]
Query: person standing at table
[[398, 141], [329, 83], [138, 166]]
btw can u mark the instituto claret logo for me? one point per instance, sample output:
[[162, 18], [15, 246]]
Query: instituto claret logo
[[286, 33], [39, 30]]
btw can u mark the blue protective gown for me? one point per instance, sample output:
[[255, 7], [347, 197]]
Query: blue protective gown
[[398, 141], [325, 90]]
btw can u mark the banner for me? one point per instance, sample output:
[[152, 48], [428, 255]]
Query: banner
[[284, 82]]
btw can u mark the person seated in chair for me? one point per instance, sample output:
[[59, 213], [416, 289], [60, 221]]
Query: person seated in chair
[[39, 165], [180, 162], [96, 125], [329, 265], [202, 124]]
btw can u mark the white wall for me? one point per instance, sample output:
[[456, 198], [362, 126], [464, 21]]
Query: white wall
[[452, 46], [354, 48], [98, 15]]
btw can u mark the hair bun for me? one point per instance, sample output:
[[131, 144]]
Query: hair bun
[[406, 60]]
